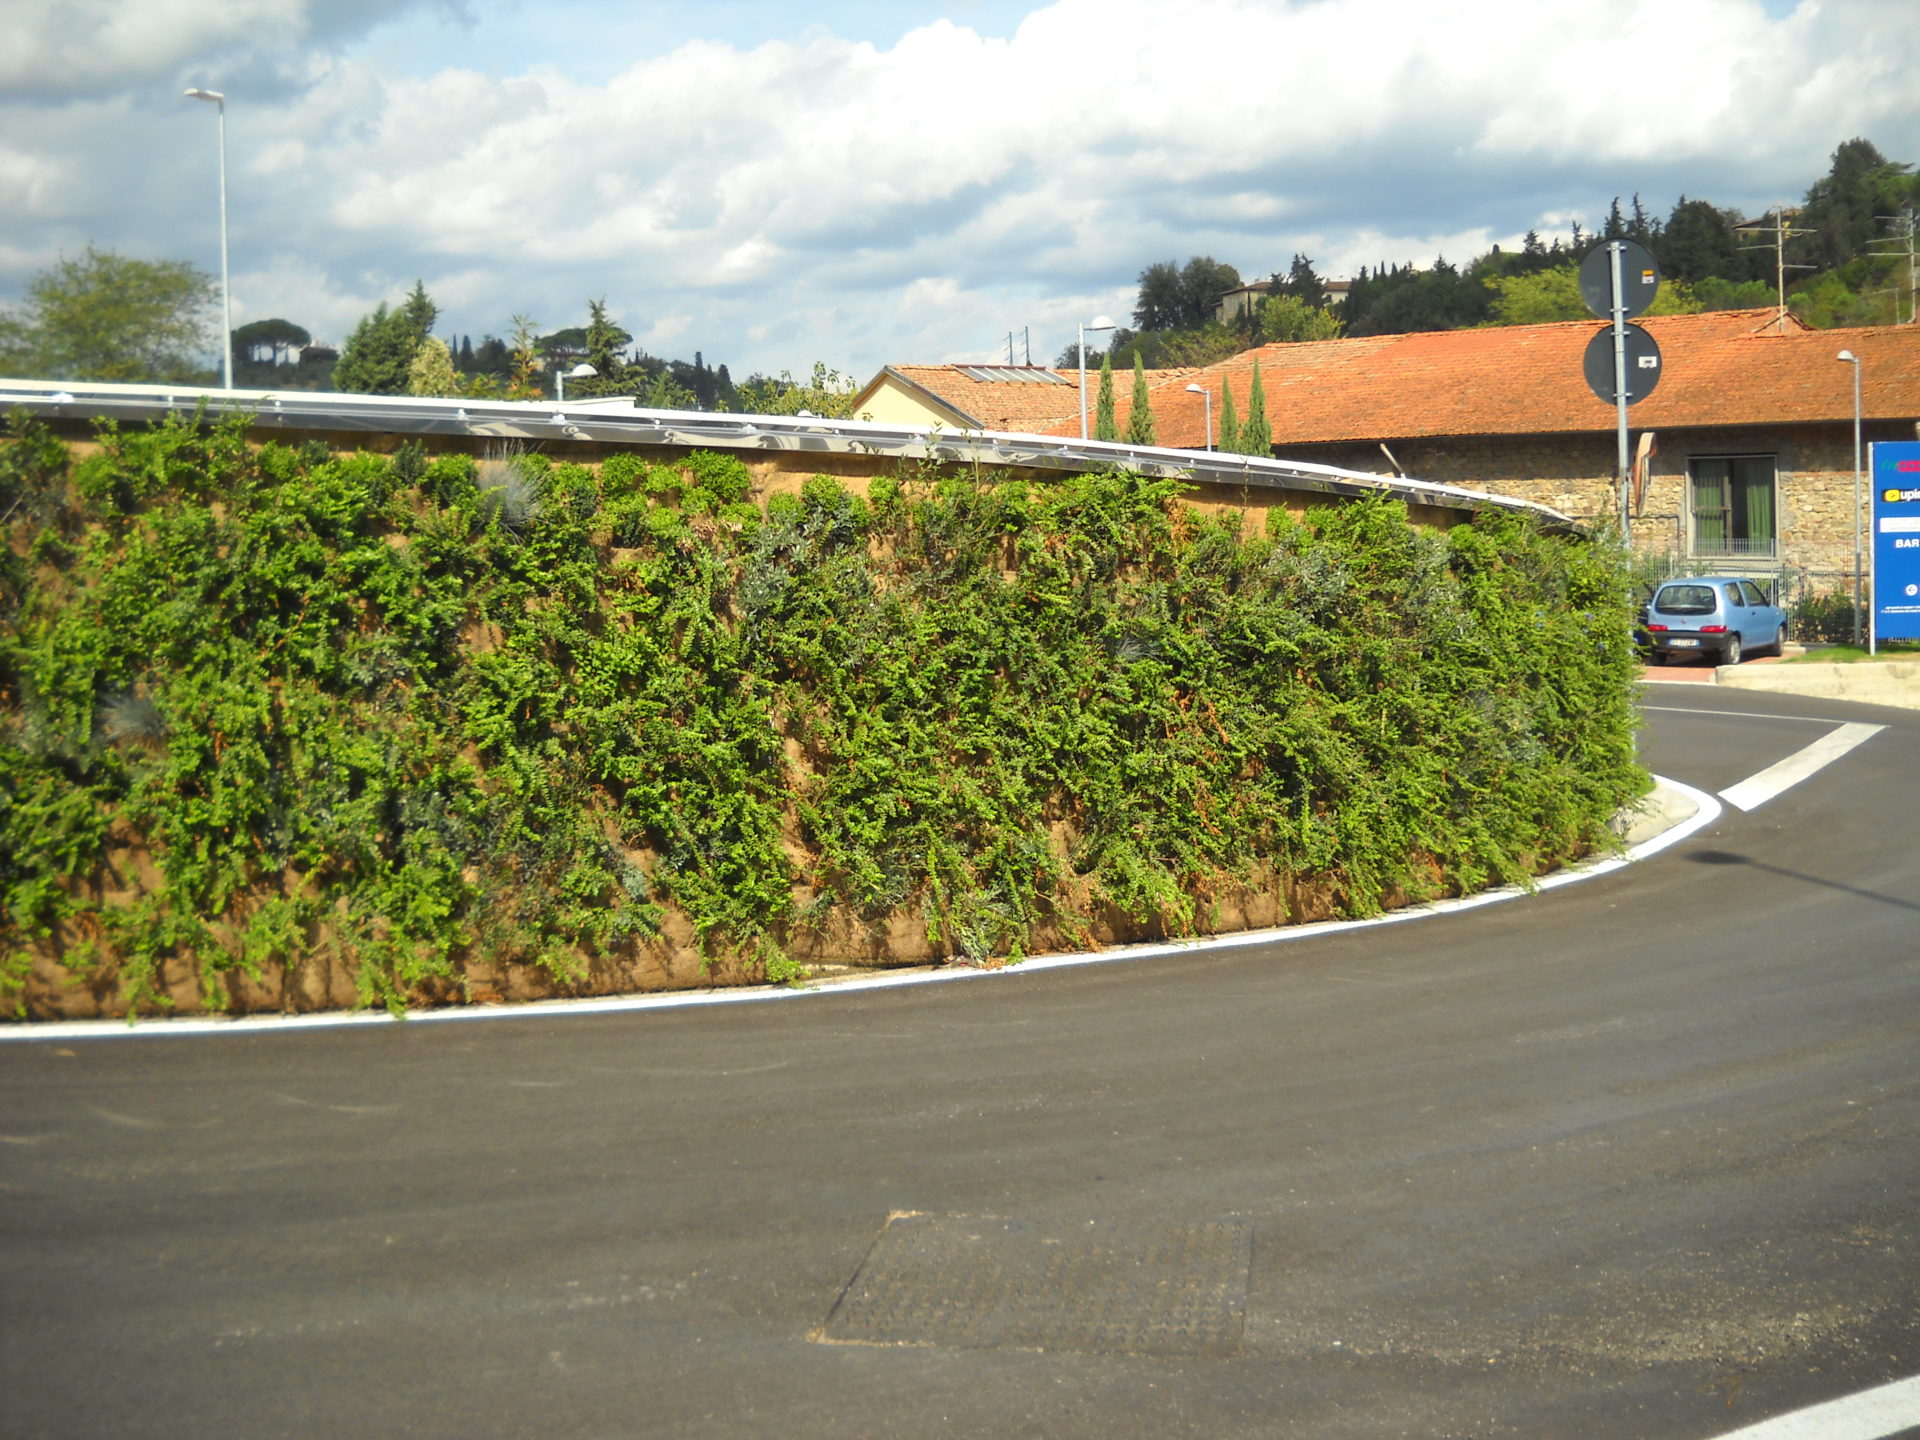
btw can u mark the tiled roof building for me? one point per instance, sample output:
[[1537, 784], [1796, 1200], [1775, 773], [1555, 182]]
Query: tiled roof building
[[1024, 398], [1750, 461]]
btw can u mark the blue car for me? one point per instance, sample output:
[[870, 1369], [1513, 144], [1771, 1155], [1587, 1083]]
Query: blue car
[[1722, 616]]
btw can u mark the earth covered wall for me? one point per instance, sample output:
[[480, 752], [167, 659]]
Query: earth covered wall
[[285, 728]]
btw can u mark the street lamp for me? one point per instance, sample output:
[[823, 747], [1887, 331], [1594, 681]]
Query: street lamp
[[226, 290], [582, 371], [1854, 360], [1202, 390], [1099, 322]]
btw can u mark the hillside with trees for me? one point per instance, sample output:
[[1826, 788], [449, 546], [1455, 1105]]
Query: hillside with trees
[[1845, 251]]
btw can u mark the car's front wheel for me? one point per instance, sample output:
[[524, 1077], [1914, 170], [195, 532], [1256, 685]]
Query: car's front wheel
[[1731, 654]]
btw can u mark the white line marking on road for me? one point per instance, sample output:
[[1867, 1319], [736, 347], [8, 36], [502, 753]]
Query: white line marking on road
[[1756, 790], [1869, 1415], [1738, 714], [1707, 811]]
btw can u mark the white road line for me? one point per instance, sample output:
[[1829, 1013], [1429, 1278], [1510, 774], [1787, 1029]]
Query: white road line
[[1738, 714], [1756, 790], [1706, 811], [1869, 1415]]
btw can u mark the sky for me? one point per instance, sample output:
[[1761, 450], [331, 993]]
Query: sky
[[865, 182]]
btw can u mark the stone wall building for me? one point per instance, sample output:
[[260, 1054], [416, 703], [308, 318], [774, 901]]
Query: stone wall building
[[1743, 454]]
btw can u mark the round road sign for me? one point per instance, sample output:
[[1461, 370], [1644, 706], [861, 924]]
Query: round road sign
[[1643, 364], [1639, 278]]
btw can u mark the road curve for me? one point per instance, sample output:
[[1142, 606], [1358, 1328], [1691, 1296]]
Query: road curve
[[1634, 1157]]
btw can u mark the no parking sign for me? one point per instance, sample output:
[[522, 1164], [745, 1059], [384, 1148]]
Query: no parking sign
[[1896, 540]]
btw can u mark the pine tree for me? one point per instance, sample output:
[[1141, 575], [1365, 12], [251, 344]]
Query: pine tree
[[1229, 419], [420, 312], [1104, 427], [378, 354], [1140, 421], [378, 357], [1256, 436]]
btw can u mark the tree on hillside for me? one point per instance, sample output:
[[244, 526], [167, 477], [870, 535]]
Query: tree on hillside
[[1158, 305], [378, 357], [1173, 349], [1175, 297], [103, 316], [1843, 208], [269, 342], [1698, 241], [1713, 293], [1287, 319], [1301, 283], [1069, 358], [1405, 298], [1140, 418], [1550, 295]]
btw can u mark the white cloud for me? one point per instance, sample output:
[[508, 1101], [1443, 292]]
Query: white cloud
[[827, 196]]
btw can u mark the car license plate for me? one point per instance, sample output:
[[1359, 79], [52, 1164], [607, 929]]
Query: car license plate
[[1684, 644]]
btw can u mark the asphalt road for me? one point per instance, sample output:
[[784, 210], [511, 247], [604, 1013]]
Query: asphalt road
[[1634, 1157]]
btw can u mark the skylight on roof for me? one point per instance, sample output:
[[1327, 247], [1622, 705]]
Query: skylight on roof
[[1019, 374]]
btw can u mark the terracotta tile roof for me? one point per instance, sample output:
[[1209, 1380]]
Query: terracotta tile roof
[[1020, 405], [1725, 367]]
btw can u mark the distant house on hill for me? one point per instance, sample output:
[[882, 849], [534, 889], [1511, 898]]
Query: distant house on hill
[[1246, 299], [1021, 398], [1744, 451]]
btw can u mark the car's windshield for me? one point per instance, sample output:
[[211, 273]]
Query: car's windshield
[[1685, 600]]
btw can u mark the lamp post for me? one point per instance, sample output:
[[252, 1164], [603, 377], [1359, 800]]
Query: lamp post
[[226, 290], [1854, 360], [1099, 322], [1202, 390], [582, 371]]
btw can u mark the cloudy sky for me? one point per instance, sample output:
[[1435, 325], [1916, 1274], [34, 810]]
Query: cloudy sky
[[864, 181]]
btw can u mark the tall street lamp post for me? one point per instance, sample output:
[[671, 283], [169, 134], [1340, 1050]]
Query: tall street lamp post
[[1202, 390], [1099, 322], [226, 290], [1858, 485]]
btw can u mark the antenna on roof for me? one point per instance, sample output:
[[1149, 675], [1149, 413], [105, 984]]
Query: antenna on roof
[[1902, 236], [1782, 231]]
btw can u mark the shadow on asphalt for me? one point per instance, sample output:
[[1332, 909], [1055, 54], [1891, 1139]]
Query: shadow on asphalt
[[1727, 857]]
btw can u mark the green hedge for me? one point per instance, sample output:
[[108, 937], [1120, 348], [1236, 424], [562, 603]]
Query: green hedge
[[430, 712]]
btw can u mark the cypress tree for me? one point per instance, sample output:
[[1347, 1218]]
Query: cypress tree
[[1229, 419], [1140, 422], [1256, 437], [1103, 424]]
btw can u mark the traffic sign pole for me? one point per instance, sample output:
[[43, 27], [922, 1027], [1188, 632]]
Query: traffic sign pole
[[1620, 388], [1618, 280]]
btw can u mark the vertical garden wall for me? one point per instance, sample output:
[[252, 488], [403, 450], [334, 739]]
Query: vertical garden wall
[[285, 728]]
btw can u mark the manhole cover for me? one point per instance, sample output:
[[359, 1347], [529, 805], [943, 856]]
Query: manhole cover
[[979, 1282]]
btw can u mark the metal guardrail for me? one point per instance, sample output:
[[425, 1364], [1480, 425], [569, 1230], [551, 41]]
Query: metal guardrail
[[598, 422]]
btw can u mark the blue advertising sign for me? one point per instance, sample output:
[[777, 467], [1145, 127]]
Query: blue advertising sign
[[1896, 540]]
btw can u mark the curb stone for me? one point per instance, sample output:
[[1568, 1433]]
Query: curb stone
[[1666, 815]]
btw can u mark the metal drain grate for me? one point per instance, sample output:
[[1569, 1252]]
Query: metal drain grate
[[978, 1282]]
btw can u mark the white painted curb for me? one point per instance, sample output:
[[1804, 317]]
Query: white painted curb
[[1669, 796]]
